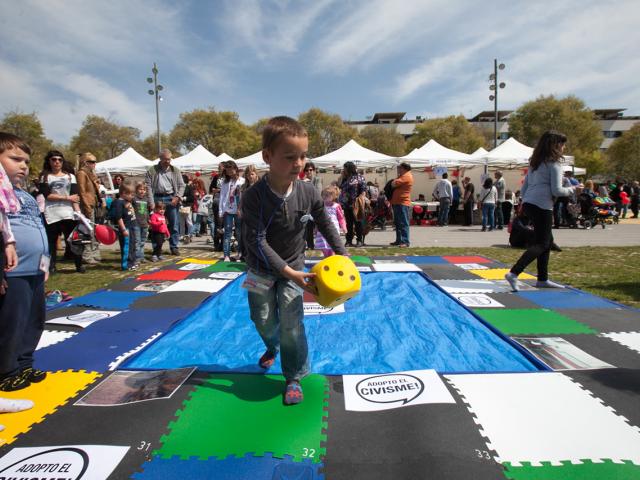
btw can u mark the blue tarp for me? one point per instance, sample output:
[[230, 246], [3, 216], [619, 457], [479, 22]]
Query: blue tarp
[[399, 321]]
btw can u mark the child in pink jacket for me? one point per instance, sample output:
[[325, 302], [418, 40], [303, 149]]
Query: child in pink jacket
[[159, 231]]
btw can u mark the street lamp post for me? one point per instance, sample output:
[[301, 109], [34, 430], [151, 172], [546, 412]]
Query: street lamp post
[[494, 87], [157, 88]]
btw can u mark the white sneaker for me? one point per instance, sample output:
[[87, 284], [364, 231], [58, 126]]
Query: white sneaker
[[548, 284], [10, 405], [1, 427], [512, 279]]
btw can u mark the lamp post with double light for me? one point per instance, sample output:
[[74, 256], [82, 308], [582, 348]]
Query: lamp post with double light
[[157, 88], [494, 86]]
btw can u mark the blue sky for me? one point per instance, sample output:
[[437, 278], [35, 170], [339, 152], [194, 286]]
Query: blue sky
[[67, 59]]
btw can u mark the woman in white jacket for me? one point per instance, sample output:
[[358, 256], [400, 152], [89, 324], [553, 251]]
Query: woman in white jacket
[[228, 209], [542, 183], [488, 199]]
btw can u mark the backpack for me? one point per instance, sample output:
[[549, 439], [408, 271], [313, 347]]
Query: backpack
[[388, 189]]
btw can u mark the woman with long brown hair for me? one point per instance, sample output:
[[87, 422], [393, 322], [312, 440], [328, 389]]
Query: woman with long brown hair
[[542, 183]]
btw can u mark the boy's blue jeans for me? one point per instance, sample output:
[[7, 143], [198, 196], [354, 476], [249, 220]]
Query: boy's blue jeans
[[22, 315], [141, 234], [278, 317]]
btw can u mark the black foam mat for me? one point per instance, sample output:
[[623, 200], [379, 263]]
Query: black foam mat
[[447, 272], [423, 441], [171, 300], [605, 320], [137, 425], [605, 349], [616, 387], [513, 300]]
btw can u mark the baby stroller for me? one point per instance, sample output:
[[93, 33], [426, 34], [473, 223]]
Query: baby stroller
[[381, 212], [598, 210]]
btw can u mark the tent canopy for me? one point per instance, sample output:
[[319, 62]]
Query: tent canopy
[[432, 154], [128, 161], [198, 159], [223, 157], [254, 159], [511, 153], [352, 151]]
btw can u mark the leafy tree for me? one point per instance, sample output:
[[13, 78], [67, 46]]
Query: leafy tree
[[327, 132], [453, 132], [216, 131], [567, 115], [624, 154], [148, 147], [384, 140], [28, 127], [103, 138]]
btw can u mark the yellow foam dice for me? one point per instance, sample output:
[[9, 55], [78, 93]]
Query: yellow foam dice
[[337, 280]]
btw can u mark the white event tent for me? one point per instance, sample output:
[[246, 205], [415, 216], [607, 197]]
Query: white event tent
[[128, 161], [479, 153], [223, 157], [254, 159], [352, 151], [197, 160], [434, 154], [512, 154]]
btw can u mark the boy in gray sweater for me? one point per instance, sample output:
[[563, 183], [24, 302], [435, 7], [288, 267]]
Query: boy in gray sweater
[[274, 215]]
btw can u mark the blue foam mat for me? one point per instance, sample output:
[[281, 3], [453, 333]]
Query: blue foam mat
[[115, 300], [566, 298], [231, 468], [399, 321], [95, 347], [427, 260]]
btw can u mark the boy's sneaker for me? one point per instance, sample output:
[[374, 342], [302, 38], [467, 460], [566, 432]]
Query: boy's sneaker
[[134, 267], [512, 279], [293, 393], [548, 284], [33, 375], [13, 383], [142, 260], [267, 360], [12, 405], [154, 258], [160, 257]]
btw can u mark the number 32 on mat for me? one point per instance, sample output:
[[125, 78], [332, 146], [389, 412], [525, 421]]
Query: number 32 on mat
[[308, 452], [483, 454]]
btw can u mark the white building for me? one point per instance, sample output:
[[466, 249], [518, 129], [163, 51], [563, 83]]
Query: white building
[[612, 122]]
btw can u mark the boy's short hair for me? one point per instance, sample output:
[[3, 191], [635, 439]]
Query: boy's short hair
[[278, 127], [9, 140], [126, 187], [406, 166], [141, 184]]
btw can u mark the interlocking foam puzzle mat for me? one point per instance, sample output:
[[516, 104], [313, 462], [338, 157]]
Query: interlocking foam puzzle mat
[[538, 384]]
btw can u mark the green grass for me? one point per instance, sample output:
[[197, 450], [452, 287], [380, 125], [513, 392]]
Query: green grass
[[610, 272]]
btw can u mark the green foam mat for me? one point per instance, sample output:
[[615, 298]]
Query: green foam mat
[[568, 471], [237, 414], [359, 259], [226, 267], [524, 321]]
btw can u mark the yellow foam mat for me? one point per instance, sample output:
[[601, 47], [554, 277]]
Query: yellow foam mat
[[47, 396], [198, 261], [498, 274]]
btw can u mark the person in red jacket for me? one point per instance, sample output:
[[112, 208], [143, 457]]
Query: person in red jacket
[[159, 230]]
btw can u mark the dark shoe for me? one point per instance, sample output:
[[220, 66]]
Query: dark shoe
[[267, 360], [52, 270], [293, 393], [394, 244], [175, 251], [484, 229], [13, 383], [348, 244], [81, 269], [555, 247], [33, 375], [359, 244]]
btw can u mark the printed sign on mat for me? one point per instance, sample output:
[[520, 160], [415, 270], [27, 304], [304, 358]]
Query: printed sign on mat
[[84, 319], [477, 300], [369, 393], [70, 461]]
